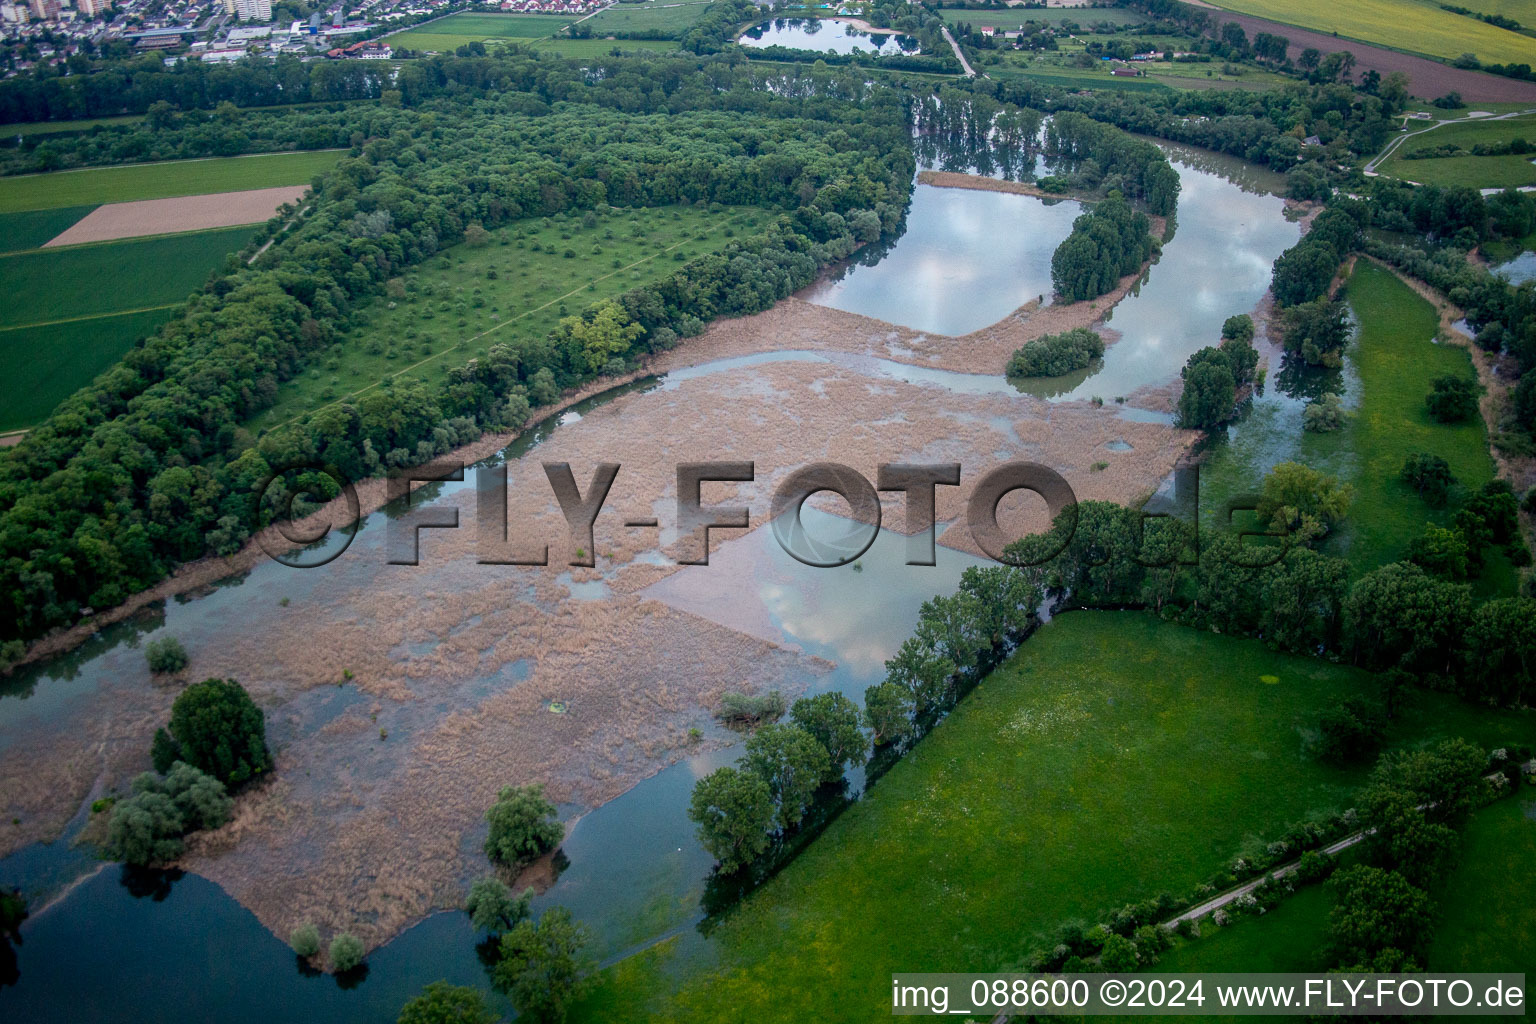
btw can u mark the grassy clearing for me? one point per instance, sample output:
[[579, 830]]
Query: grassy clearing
[[1074, 78], [160, 181], [113, 277], [1113, 757], [647, 17], [1475, 171], [1013, 20], [1406, 25], [45, 365], [28, 128], [1391, 363], [601, 47], [458, 29], [454, 310], [19, 231], [1488, 905]]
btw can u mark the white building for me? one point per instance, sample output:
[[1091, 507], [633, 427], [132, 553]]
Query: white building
[[13, 14], [254, 10]]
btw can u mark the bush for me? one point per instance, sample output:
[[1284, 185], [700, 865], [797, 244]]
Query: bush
[[217, 728], [147, 827], [1056, 354], [1210, 389], [492, 907], [165, 655], [346, 952], [305, 940], [1324, 416], [1452, 399], [442, 1003], [1430, 476], [1352, 730], [741, 709], [523, 826], [543, 966], [1314, 866]]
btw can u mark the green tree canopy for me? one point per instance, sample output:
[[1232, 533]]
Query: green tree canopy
[[442, 1003], [523, 826], [217, 728], [734, 812], [543, 966]]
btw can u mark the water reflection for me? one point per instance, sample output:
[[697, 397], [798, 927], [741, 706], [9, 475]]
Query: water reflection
[[967, 260], [826, 35]]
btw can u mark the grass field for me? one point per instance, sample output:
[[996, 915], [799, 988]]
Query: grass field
[[47, 285], [1475, 171], [1488, 904], [1073, 78], [429, 333], [1408, 25], [28, 128], [600, 47], [460, 29], [45, 365], [646, 17], [1113, 757], [32, 228], [160, 181], [1389, 369]]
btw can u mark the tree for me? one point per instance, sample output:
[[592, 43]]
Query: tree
[[1209, 390], [1317, 331], [442, 1003], [1352, 730], [1303, 601], [1376, 910], [1302, 272], [523, 826], [1119, 954], [603, 334], [834, 722], [888, 712], [1242, 357], [147, 826], [1430, 476], [543, 966], [1237, 328], [165, 655], [1400, 616], [1440, 552], [492, 907], [1056, 354], [1303, 502], [305, 940], [734, 812], [346, 952], [792, 764], [1452, 399], [1500, 652], [218, 729]]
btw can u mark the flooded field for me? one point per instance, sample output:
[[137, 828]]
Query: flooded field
[[399, 698]]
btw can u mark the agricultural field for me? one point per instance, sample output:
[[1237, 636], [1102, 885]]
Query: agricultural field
[[70, 313], [1408, 25], [33, 228], [26, 129], [543, 270], [1389, 369], [1014, 19], [460, 29], [1509, 170], [1130, 755], [160, 181], [601, 47], [675, 18], [1072, 78], [1488, 904]]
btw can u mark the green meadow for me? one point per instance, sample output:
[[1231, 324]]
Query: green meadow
[[1111, 758]]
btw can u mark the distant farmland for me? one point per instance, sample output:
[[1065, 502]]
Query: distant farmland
[[160, 180], [460, 29]]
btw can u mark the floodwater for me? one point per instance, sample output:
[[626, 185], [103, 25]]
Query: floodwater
[[826, 35], [968, 259], [1518, 270], [635, 871]]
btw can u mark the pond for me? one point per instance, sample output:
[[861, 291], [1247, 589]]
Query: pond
[[967, 259], [828, 35], [1518, 270]]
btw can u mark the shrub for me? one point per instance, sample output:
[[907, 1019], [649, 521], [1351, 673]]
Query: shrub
[[741, 709], [1314, 866], [442, 1003], [1352, 730], [346, 952], [523, 826], [1325, 415], [165, 655], [492, 907], [148, 826], [305, 940], [1430, 476]]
